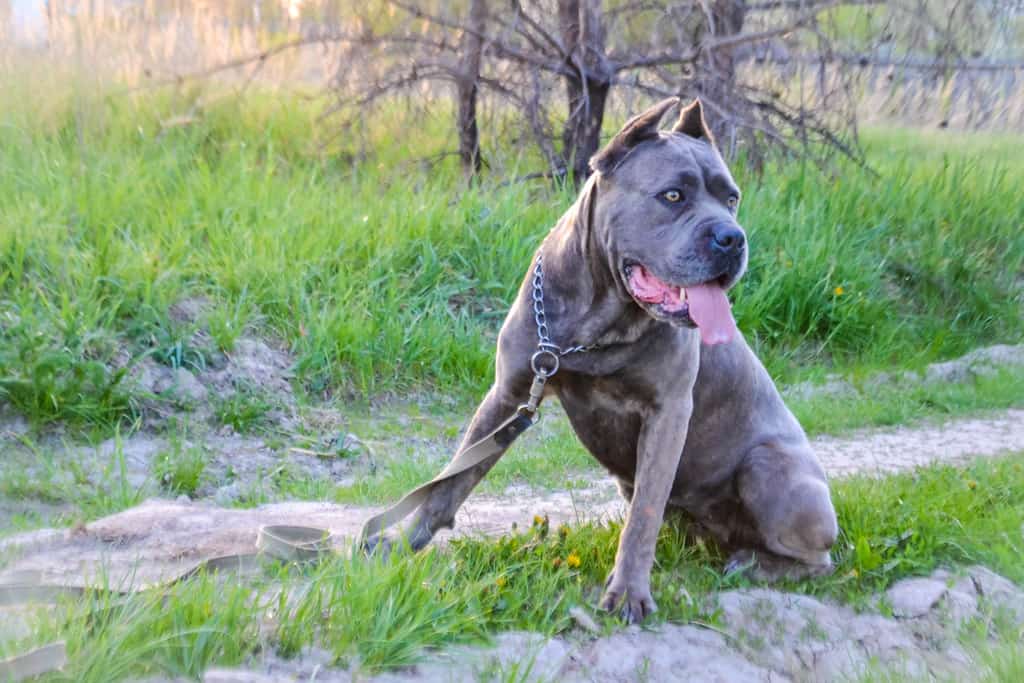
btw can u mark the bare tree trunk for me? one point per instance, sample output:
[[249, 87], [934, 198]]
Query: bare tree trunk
[[583, 34], [6, 26], [716, 69], [470, 50]]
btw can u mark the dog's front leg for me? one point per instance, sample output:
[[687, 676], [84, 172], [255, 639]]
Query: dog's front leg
[[438, 511], [660, 446]]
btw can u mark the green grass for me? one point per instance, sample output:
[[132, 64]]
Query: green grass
[[372, 614], [381, 276], [886, 405], [245, 409], [180, 469]]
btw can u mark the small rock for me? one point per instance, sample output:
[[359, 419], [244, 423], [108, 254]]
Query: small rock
[[961, 605], [188, 310], [13, 423], [951, 372], [185, 500], [847, 660], [983, 361], [187, 387], [584, 620], [225, 496], [833, 387], [998, 591], [671, 653], [912, 598], [177, 382]]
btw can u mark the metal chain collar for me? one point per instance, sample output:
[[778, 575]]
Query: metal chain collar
[[545, 361]]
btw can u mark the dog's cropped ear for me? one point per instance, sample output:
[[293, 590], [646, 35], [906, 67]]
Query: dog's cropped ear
[[641, 127], [691, 122]]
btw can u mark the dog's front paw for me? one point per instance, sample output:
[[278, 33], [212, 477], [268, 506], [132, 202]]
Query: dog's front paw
[[633, 602], [381, 545]]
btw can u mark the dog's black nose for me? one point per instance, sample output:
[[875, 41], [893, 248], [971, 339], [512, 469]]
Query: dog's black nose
[[727, 239]]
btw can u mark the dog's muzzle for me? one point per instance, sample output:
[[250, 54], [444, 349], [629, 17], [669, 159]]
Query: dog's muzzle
[[727, 247]]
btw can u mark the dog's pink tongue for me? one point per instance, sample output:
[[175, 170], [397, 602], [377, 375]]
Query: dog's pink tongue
[[709, 308]]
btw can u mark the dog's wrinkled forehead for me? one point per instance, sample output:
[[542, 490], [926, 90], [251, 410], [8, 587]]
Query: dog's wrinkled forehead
[[669, 160]]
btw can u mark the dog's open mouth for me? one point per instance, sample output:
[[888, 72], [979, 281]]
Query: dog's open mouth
[[702, 305]]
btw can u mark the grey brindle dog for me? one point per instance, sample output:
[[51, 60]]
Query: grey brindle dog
[[668, 396]]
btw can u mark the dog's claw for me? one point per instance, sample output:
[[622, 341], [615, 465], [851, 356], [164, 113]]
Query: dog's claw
[[740, 562], [633, 604], [378, 545], [632, 609]]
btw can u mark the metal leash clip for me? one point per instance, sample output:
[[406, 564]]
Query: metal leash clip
[[547, 358]]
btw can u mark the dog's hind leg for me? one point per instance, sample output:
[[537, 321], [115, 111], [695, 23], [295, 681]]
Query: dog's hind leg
[[438, 511], [785, 493]]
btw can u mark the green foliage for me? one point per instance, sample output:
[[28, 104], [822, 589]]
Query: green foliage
[[57, 363], [180, 469], [179, 632], [893, 404], [911, 523], [244, 409], [382, 276]]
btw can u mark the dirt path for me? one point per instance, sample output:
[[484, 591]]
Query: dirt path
[[904, 448], [170, 535], [596, 499]]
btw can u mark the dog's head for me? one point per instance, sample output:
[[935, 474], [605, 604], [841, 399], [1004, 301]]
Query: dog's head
[[665, 214]]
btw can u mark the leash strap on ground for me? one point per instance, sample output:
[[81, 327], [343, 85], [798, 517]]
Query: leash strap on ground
[[279, 543], [486, 448], [34, 662]]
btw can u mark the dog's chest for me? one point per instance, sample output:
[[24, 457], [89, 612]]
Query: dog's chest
[[606, 416]]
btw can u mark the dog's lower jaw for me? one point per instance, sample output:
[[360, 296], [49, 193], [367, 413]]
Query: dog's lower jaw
[[681, 319], [657, 312]]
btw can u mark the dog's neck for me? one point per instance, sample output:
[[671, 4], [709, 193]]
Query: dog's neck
[[585, 301]]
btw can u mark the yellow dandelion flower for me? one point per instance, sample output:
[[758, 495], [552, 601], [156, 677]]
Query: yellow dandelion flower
[[838, 291], [971, 484], [501, 582], [573, 560], [538, 520]]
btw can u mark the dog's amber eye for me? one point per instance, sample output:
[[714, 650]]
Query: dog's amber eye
[[672, 196], [733, 202]]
